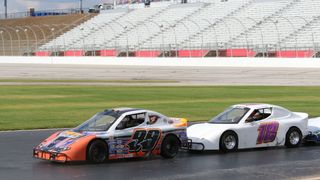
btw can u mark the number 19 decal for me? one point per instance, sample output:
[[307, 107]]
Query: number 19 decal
[[267, 132], [144, 140]]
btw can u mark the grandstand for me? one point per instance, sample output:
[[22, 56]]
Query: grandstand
[[208, 28], [24, 36]]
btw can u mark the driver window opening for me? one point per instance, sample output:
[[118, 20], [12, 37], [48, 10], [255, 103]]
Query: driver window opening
[[131, 121], [153, 119], [259, 114]]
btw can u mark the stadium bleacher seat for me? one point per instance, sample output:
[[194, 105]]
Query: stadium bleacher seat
[[233, 28], [33, 32]]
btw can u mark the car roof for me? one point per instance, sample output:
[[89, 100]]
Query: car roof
[[123, 110], [254, 105]]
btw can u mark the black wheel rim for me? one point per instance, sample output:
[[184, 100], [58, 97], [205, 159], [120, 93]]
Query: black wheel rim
[[172, 147], [98, 154]]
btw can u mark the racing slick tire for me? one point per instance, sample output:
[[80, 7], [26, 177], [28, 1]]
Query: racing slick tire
[[97, 152], [228, 142], [170, 146], [293, 137]]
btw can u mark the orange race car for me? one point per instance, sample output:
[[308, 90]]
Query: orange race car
[[114, 134]]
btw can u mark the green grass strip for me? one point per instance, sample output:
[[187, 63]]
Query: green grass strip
[[42, 106]]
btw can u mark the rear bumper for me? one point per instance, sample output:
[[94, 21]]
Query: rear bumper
[[50, 156]]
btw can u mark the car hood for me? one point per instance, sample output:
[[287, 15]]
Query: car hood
[[207, 130], [61, 141]]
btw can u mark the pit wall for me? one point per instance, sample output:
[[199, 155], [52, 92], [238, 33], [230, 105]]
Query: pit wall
[[192, 62]]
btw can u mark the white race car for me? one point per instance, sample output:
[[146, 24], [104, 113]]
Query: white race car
[[314, 131], [249, 126]]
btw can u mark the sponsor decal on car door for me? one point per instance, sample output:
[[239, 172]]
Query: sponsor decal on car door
[[267, 132], [143, 140], [260, 134], [261, 130]]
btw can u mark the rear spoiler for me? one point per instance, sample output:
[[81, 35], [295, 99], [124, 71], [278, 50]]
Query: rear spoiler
[[178, 122]]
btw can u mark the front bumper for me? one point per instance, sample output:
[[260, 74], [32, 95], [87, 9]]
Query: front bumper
[[312, 138], [50, 156]]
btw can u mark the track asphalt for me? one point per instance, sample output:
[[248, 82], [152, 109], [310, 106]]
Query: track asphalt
[[175, 75], [16, 162]]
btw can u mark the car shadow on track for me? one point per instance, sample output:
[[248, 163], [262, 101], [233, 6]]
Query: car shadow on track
[[115, 161]]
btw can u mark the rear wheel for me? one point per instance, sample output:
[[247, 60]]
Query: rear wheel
[[170, 146], [228, 142], [293, 137], [97, 152]]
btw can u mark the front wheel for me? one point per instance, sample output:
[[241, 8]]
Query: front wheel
[[97, 152], [170, 147], [228, 142], [293, 137]]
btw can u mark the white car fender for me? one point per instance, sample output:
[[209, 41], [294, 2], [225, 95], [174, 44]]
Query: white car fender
[[208, 134], [303, 118]]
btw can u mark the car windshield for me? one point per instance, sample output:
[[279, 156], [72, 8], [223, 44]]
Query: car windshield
[[100, 122], [231, 115]]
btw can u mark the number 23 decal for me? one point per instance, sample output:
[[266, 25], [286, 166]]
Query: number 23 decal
[[267, 132], [144, 140]]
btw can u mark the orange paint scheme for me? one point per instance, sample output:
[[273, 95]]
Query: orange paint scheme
[[47, 156], [183, 123], [78, 149]]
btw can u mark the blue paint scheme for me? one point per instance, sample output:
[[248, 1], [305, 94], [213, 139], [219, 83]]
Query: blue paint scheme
[[118, 146], [313, 136]]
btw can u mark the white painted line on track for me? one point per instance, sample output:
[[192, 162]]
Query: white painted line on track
[[317, 177], [191, 62]]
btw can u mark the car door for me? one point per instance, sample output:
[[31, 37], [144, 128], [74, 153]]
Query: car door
[[261, 130], [127, 134], [144, 139]]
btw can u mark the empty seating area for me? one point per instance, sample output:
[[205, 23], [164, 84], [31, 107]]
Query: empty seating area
[[24, 36], [193, 26], [280, 31], [239, 29], [208, 28]]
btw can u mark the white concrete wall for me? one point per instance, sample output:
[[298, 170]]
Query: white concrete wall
[[218, 62]]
